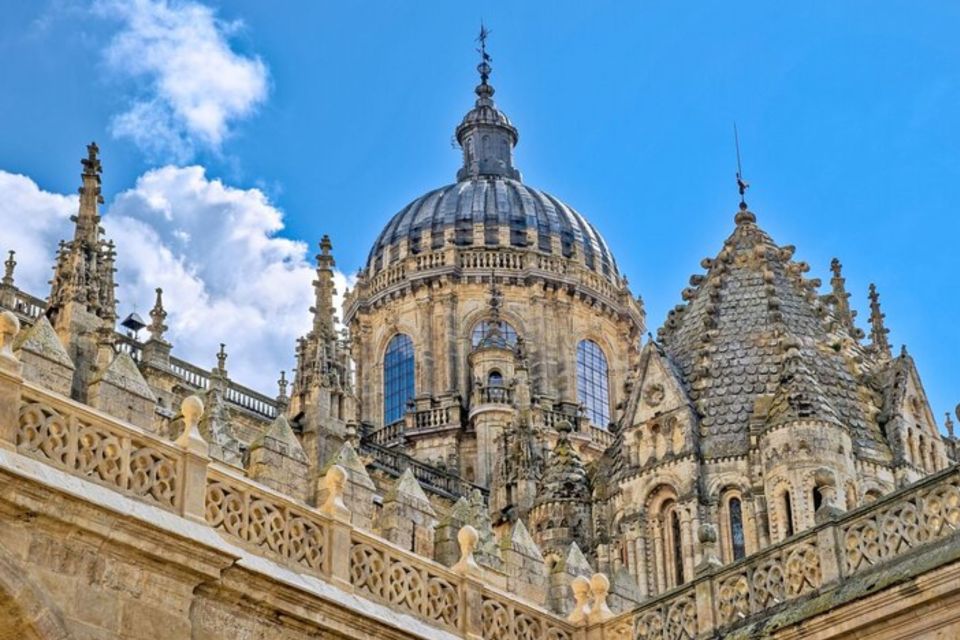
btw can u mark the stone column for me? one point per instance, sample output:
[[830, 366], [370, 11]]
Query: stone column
[[641, 554], [450, 301]]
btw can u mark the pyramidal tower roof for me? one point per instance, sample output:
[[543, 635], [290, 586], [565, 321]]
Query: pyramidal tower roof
[[730, 340]]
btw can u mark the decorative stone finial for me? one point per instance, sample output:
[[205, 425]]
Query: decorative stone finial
[[192, 410], [878, 332], [599, 611], [282, 388], [334, 483], [825, 481], [581, 600], [467, 538], [8, 266], [157, 315], [222, 357], [949, 423], [9, 327], [707, 536]]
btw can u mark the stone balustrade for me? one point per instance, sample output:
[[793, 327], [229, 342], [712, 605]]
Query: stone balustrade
[[179, 477], [87, 443], [923, 514]]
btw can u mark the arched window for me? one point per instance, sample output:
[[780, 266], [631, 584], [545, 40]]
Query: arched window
[[737, 542], [817, 499], [677, 547], [787, 515], [493, 333], [593, 382], [495, 379], [398, 378]]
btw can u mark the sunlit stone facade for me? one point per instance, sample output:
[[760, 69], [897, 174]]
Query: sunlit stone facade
[[489, 447]]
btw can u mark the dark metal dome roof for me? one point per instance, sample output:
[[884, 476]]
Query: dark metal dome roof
[[489, 194], [530, 218]]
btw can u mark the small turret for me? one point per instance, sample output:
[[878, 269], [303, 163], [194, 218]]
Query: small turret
[[486, 134]]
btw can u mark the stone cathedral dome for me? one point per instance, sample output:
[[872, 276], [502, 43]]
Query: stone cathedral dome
[[489, 206]]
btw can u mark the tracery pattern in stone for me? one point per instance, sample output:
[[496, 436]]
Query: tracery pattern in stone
[[376, 572], [93, 451], [265, 524], [919, 518], [503, 621], [675, 619], [768, 581]]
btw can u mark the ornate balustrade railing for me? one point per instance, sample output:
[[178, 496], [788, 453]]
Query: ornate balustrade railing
[[268, 521], [320, 542], [28, 305], [389, 435], [494, 394], [921, 515], [85, 442], [177, 477], [435, 480], [435, 417]]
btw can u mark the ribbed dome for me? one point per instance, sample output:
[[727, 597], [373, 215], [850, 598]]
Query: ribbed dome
[[530, 218], [489, 193]]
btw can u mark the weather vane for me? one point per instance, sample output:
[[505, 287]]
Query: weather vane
[[482, 39], [485, 59], [742, 185]]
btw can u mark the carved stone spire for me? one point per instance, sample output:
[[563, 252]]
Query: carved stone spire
[[324, 291], [157, 316], [841, 300], [878, 332], [949, 425], [7, 288], [486, 134], [88, 218], [8, 266], [84, 273]]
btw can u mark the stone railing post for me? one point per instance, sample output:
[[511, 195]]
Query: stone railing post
[[828, 546], [11, 381], [338, 540], [706, 613], [471, 586], [195, 460]]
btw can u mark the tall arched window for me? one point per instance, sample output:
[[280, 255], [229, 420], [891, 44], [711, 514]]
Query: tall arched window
[[737, 542], [398, 378], [677, 547], [787, 515], [593, 382]]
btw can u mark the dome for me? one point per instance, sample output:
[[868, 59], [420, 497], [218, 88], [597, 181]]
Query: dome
[[490, 195], [510, 213]]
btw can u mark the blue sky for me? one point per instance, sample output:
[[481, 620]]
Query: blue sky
[[329, 117]]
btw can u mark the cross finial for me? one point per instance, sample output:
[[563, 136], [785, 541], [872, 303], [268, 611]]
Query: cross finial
[[742, 185]]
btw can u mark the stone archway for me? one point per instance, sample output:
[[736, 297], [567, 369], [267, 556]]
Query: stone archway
[[25, 611]]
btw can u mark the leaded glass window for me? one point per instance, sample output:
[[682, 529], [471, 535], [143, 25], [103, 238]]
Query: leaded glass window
[[736, 528], [593, 382], [494, 333], [398, 378]]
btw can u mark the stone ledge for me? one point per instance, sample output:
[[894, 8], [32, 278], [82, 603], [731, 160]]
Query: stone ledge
[[191, 546]]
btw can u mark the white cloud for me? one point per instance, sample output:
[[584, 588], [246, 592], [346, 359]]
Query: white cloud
[[226, 274], [194, 85]]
